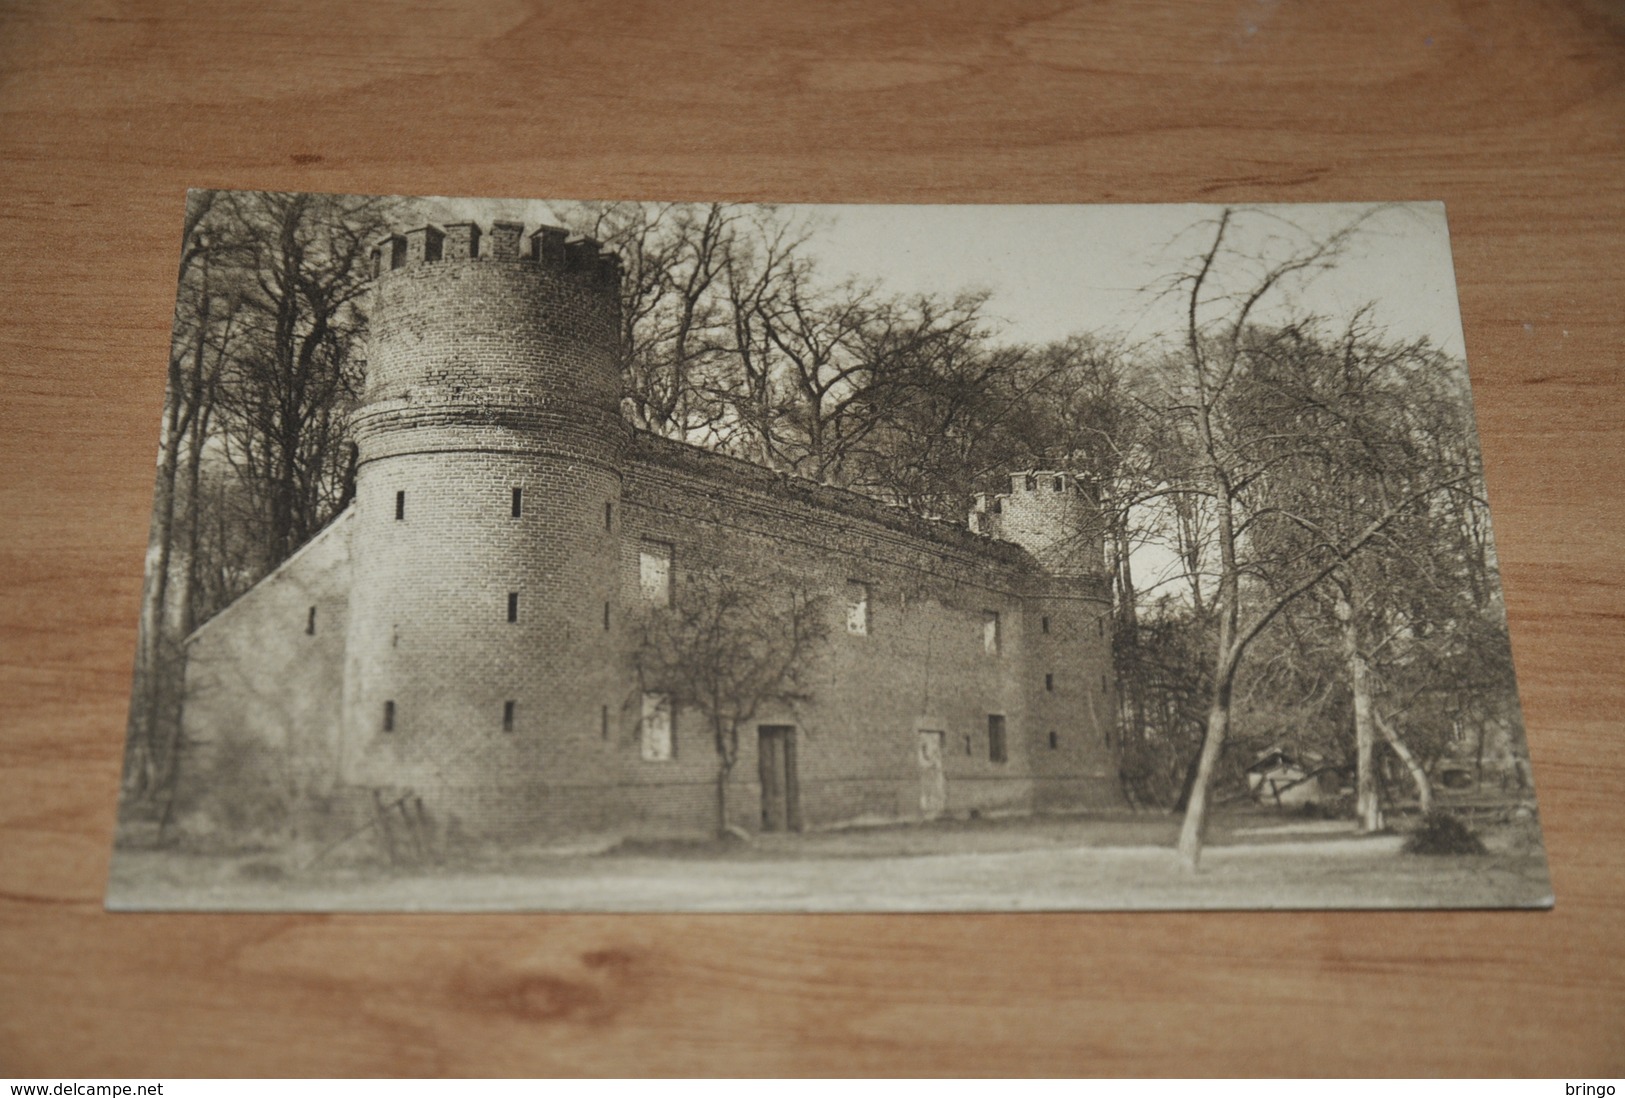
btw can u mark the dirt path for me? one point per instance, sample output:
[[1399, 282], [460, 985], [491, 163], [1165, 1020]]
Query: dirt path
[[982, 865]]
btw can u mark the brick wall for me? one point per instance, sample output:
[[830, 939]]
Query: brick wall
[[264, 683], [922, 665]]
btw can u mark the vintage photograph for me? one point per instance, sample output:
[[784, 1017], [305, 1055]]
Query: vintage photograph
[[518, 555]]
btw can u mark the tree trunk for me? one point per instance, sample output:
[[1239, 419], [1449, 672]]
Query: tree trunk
[[1131, 694], [1194, 830], [1228, 652], [1424, 788], [722, 800], [187, 612], [144, 705], [1368, 805]]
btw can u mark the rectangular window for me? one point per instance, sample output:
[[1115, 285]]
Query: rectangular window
[[990, 632], [1043, 625], [657, 722], [389, 716], [400, 506], [310, 622], [609, 516], [513, 605], [1049, 682], [857, 608], [1054, 741], [654, 572], [507, 716], [1060, 484], [995, 738], [518, 502]]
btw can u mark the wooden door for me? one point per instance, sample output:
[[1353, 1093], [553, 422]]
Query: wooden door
[[933, 782], [781, 792]]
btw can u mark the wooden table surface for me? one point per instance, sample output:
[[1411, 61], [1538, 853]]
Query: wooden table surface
[[1513, 113]]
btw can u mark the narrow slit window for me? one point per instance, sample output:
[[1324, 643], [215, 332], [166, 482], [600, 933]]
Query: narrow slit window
[[518, 502], [1054, 741], [513, 605], [1049, 682], [400, 506], [603, 721], [310, 622], [1043, 625], [389, 716], [606, 617], [507, 716], [1100, 626], [609, 516]]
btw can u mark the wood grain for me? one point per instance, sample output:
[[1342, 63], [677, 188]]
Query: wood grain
[[1512, 113]]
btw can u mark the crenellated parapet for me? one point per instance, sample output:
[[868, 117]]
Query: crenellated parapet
[[548, 246], [1052, 514]]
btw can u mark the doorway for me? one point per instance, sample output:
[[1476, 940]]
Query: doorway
[[781, 789], [933, 782]]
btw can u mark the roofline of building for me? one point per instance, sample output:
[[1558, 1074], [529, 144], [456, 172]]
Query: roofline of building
[[743, 473]]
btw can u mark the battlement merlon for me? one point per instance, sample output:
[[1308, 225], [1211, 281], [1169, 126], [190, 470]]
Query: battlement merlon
[[549, 246]]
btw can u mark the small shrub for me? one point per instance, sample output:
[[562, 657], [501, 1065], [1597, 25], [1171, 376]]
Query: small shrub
[[1442, 833]]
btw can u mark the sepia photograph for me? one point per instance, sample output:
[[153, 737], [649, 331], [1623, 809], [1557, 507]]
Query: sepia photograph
[[523, 555]]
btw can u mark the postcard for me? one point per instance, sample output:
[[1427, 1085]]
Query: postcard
[[516, 555]]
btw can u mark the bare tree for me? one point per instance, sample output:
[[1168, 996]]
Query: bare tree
[[1241, 438], [202, 332], [304, 268], [731, 649], [944, 403], [676, 259]]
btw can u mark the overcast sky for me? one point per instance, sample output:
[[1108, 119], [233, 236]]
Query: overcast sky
[[1057, 270]]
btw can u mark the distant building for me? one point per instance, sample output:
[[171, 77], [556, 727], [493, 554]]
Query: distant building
[[459, 636], [1280, 778]]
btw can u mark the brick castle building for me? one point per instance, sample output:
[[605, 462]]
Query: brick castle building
[[461, 634]]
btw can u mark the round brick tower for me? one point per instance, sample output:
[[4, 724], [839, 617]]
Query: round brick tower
[[485, 540]]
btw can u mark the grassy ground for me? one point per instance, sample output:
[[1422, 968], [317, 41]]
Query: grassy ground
[[1255, 859]]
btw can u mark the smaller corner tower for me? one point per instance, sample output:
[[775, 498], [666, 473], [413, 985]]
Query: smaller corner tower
[[1071, 689], [1050, 514]]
